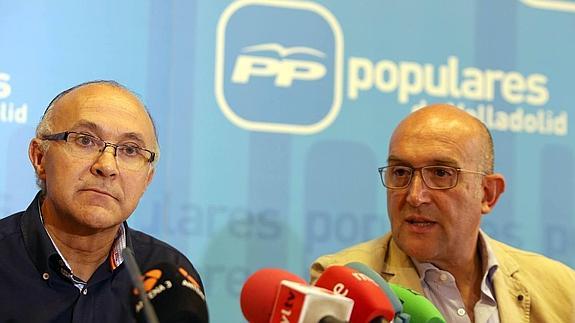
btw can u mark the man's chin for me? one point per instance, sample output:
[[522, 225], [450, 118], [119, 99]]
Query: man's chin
[[98, 218], [421, 250]]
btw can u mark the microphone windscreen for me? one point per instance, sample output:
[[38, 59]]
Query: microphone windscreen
[[369, 301], [260, 290], [417, 306], [383, 285], [175, 295]]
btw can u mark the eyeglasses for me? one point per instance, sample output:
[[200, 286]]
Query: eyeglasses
[[86, 146], [434, 177]]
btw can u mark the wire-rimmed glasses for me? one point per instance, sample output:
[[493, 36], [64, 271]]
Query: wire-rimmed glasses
[[85, 146], [434, 177]]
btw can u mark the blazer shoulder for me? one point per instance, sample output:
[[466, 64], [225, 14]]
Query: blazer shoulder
[[370, 252], [531, 264]]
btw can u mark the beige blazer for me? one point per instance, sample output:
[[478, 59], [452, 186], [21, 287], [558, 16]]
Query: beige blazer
[[528, 287]]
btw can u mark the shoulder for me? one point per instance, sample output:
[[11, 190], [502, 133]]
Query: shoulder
[[365, 251], [531, 266], [548, 283], [151, 251], [147, 246], [370, 252], [14, 224], [10, 225]]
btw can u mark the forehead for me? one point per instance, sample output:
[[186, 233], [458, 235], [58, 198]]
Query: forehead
[[112, 111], [436, 141]]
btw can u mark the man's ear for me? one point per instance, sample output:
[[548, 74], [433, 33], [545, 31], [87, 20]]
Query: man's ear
[[36, 155], [151, 174], [493, 187]]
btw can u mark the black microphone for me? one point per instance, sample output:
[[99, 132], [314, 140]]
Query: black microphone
[[175, 295], [166, 293], [135, 275]]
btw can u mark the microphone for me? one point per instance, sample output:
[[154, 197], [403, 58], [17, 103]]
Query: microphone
[[417, 306], [274, 296], [175, 295], [370, 303], [260, 290], [135, 274], [400, 315]]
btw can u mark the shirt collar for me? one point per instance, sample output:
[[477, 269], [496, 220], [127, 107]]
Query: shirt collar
[[36, 240], [487, 258], [44, 252], [119, 244], [115, 257]]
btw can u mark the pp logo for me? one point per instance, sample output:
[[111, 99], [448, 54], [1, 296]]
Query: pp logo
[[284, 70], [279, 66], [559, 5]]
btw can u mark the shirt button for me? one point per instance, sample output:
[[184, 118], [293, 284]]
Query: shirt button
[[45, 276], [461, 312], [85, 291], [443, 277]]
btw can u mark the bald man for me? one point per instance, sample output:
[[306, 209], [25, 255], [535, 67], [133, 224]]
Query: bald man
[[440, 182], [94, 155]]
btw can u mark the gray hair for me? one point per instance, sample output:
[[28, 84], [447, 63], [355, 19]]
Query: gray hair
[[488, 150]]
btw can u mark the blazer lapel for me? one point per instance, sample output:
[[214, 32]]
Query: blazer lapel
[[513, 299], [399, 269]]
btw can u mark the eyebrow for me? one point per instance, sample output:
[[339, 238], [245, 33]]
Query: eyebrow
[[135, 137], [85, 124], [91, 126], [438, 161]]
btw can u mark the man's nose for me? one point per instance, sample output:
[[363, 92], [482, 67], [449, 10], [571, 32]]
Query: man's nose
[[418, 192], [106, 163]]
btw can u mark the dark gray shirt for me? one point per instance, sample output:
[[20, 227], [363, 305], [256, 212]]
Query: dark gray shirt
[[37, 286]]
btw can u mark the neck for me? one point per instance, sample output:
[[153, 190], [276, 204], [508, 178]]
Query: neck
[[84, 253], [468, 274]]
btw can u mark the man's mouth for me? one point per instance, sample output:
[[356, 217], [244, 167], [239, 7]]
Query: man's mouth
[[418, 222], [421, 223], [100, 191]]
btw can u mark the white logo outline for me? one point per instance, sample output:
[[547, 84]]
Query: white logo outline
[[283, 51], [558, 5], [279, 127]]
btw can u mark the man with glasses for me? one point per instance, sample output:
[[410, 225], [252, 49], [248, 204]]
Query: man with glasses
[[94, 155], [440, 181]]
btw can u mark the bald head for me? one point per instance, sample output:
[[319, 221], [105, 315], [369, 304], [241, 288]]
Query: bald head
[[45, 125], [450, 123]]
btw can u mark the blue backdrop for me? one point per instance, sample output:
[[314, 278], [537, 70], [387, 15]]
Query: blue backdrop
[[273, 116]]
